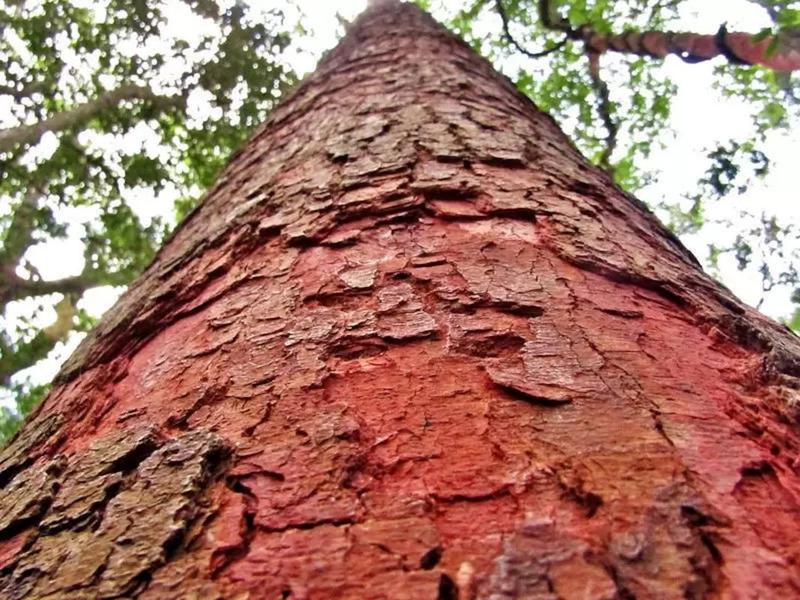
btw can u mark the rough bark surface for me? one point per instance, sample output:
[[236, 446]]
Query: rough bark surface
[[736, 46], [413, 346]]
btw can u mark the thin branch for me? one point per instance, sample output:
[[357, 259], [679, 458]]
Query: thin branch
[[511, 40], [79, 115], [604, 106], [14, 287]]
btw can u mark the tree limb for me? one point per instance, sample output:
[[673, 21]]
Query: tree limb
[[14, 287], [36, 87], [738, 47], [604, 106], [27, 354], [20, 232], [511, 40], [79, 115]]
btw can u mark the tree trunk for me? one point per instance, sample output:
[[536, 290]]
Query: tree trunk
[[412, 345]]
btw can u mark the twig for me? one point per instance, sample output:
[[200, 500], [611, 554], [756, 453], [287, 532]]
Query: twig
[[507, 34], [600, 88]]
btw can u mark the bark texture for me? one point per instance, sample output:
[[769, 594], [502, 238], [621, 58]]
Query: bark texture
[[412, 345]]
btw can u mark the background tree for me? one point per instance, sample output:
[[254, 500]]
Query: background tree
[[106, 105]]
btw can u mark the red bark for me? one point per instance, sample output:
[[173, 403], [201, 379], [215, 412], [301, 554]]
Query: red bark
[[737, 46], [412, 345]]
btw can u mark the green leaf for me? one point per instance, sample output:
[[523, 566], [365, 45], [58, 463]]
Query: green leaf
[[774, 113]]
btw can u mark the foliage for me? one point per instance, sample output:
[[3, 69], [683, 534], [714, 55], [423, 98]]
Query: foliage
[[28, 396], [560, 82], [132, 103]]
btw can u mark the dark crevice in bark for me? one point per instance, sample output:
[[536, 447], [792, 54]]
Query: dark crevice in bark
[[478, 498], [208, 396], [519, 310], [705, 527], [431, 558], [354, 349], [517, 391], [221, 559], [27, 503], [23, 450], [308, 526], [623, 593], [265, 417], [447, 588], [588, 501], [492, 344]]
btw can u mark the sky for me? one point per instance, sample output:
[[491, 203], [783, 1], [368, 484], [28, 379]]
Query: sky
[[700, 116]]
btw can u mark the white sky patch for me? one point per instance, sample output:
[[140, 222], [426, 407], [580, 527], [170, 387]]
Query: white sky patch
[[39, 313], [98, 300], [62, 257]]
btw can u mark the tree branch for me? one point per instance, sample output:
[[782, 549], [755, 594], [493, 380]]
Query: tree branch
[[20, 232], [27, 354], [511, 40], [604, 106], [17, 288], [737, 47], [79, 115], [25, 92]]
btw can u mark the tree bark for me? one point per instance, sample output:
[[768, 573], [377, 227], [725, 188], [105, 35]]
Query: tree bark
[[412, 345]]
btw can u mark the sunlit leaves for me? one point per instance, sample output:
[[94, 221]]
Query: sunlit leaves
[[774, 98], [794, 321], [27, 397]]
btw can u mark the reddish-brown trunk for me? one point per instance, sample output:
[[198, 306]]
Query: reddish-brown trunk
[[739, 47], [413, 346]]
